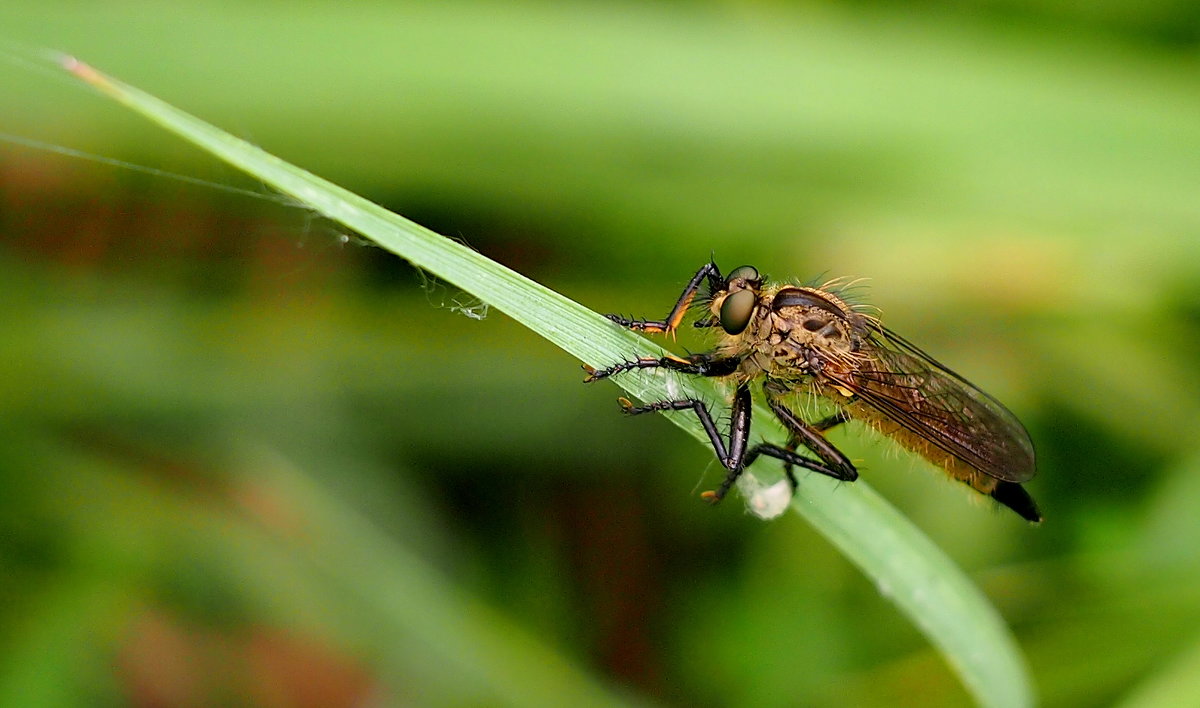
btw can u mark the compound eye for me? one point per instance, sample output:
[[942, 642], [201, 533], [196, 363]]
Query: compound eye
[[743, 272], [736, 311]]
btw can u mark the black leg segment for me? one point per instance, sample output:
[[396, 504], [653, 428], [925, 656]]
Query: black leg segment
[[731, 455], [734, 455], [820, 426], [739, 425], [698, 364], [788, 457], [811, 438]]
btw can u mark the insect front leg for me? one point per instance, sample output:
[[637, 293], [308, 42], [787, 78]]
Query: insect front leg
[[731, 455], [709, 272]]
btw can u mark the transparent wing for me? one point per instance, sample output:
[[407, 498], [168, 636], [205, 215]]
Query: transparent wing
[[929, 400]]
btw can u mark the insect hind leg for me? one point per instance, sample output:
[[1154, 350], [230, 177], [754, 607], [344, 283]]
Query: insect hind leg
[[810, 436], [791, 457], [820, 426]]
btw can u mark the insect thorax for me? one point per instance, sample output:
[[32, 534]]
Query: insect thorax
[[797, 332]]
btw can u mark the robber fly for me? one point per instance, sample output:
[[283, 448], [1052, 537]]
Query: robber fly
[[808, 340]]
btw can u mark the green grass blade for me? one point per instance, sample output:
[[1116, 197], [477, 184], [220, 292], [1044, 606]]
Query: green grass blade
[[412, 599], [902, 562]]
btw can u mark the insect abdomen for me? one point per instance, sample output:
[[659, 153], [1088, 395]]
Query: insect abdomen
[[952, 465], [1010, 494]]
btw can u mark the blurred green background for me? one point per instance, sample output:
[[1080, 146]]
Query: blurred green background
[[247, 459]]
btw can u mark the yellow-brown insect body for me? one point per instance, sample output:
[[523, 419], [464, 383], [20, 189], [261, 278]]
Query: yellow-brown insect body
[[805, 338], [796, 340]]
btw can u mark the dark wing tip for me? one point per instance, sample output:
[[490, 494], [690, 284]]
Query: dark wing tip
[[1016, 498]]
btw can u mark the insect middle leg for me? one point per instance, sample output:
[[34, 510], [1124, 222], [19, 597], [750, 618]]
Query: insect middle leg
[[698, 364], [730, 454]]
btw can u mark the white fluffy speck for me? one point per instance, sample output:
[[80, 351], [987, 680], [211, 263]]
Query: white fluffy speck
[[766, 501]]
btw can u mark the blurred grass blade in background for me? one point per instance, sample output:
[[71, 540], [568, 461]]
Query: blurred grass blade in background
[[901, 561], [1177, 684], [476, 645]]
